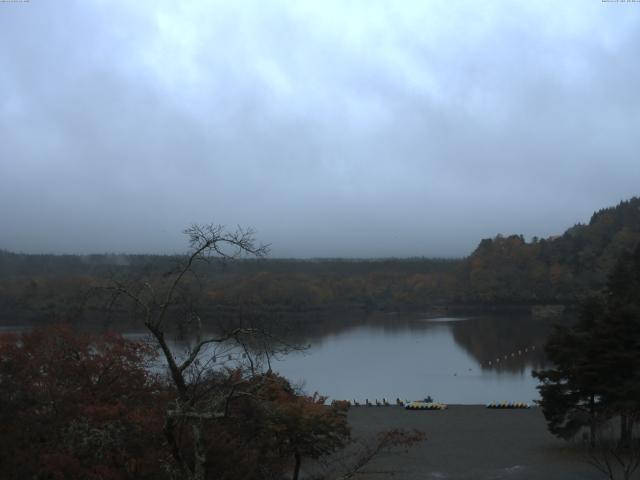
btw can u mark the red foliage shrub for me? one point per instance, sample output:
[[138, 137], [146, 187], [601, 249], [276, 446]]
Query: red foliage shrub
[[78, 406]]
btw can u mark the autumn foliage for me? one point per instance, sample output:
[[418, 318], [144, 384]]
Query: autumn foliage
[[86, 406], [78, 406]]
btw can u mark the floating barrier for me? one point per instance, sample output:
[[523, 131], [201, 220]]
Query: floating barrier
[[514, 354], [425, 406], [508, 405]]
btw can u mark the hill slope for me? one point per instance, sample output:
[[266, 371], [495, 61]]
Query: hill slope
[[556, 269]]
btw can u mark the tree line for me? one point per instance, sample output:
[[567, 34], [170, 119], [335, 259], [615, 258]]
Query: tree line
[[501, 270]]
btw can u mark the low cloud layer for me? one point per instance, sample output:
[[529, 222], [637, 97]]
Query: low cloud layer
[[357, 129]]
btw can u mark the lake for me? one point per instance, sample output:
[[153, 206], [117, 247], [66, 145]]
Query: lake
[[454, 360]]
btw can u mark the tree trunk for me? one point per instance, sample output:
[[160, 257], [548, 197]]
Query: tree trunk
[[296, 469], [199, 452], [592, 421], [176, 374], [169, 434], [625, 431]]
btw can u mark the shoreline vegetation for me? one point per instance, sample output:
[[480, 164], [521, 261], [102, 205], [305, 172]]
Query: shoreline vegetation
[[503, 273]]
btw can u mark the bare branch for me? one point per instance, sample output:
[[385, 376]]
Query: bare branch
[[385, 441], [235, 334], [200, 394]]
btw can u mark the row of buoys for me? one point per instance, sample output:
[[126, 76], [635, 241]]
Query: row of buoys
[[511, 355], [425, 406], [503, 405]]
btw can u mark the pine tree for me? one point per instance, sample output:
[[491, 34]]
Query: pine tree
[[596, 374], [618, 335], [570, 399]]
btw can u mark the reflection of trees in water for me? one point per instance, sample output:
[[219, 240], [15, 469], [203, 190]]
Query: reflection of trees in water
[[485, 338], [489, 339], [317, 327]]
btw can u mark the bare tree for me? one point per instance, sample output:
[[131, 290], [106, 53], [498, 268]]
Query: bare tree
[[199, 396], [203, 394]]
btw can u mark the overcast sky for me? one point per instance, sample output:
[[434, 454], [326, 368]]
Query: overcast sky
[[334, 128]]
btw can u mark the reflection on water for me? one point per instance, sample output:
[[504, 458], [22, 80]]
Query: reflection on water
[[408, 357], [457, 360]]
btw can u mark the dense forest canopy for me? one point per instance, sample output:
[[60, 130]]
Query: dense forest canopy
[[557, 269], [504, 270]]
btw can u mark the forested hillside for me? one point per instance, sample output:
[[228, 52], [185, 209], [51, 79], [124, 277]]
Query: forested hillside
[[557, 269], [502, 270]]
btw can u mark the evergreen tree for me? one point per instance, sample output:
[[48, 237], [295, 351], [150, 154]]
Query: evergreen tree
[[596, 374], [570, 399], [618, 336]]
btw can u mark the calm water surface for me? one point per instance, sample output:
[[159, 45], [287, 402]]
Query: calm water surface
[[454, 360], [410, 358]]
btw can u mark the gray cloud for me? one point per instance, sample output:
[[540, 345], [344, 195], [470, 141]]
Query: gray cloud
[[334, 128]]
